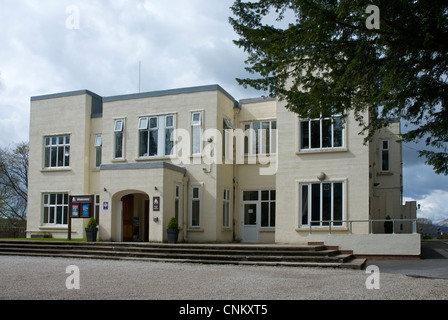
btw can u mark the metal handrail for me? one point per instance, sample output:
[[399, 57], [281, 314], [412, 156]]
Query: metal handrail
[[370, 221]]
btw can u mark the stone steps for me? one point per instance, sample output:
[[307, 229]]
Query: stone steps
[[299, 256]]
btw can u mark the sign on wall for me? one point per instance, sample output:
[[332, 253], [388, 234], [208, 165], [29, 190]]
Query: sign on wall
[[156, 204]]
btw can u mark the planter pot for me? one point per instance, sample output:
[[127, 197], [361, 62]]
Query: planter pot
[[173, 234], [91, 234]]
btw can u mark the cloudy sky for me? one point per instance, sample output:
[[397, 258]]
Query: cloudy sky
[[45, 48]]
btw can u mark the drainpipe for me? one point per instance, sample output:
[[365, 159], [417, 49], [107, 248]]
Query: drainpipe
[[186, 185]]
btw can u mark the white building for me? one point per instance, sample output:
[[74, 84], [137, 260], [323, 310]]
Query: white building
[[230, 171]]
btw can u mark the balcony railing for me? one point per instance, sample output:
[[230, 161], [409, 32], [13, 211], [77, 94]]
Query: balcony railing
[[332, 224]]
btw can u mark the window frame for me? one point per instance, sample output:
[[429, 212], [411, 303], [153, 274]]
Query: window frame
[[384, 151], [47, 204], [196, 128], [254, 142], [119, 129], [199, 201], [322, 222], [226, 208], [98, 145], [53, 144], [160, 129], [310, 145]]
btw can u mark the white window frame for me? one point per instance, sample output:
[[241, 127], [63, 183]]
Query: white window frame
[[254, 142], [98, 150], [46, 204], [119, 129], [196, 128], [195, 199], [321, 146], [53, 144], [309, 203], [161, 128]]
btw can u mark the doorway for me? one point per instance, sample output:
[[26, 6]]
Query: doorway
[[134, 218], [250, 222]]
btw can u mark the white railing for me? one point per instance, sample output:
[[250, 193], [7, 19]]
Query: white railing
[[323, 224]]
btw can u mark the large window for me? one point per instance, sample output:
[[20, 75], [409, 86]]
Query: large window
[[118, 138], [321, 203], [155, 135], [323, 133], [195, 206], [55, 208], [260, 137], [57, 152]]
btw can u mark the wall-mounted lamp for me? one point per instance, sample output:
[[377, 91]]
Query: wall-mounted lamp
[[155, 219], [155, 188], [105, 190], [321, 176]]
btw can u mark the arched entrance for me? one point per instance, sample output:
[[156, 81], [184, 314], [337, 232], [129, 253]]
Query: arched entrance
[[131, 216]]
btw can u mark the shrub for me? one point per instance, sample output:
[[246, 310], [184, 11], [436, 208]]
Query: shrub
[[173, 224], [92, 223]]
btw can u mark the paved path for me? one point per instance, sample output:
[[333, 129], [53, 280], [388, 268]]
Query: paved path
[[45, 279], [433, 265]]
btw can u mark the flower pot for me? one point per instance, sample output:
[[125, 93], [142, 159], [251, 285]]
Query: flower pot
[[173, 234], [91, 234]]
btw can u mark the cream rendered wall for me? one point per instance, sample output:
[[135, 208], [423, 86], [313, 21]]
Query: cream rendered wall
[[248, 175], [225, 171], [387, 186], [350, 166], [213, 105], [55, 117]]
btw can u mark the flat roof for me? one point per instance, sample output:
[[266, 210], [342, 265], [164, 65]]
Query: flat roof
[[213, 87]]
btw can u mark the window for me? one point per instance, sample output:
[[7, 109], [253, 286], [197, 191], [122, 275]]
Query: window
[[97, 208], [196, 132], [176, 202], [385, 157], [98, 150], [57, 152], [260, 137], [227, 143], [55, 208], [226, 209], [266, 201], [195, 206], [118, 137], [155, 135], [323, 133], [321, 203], [267, 208]]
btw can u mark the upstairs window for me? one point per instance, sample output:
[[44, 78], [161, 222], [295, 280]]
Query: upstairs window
[[98, 150], [322, 133], [155, 135], [385, 156], [260, 138], [118, 138], [57, 152], [196, 132]]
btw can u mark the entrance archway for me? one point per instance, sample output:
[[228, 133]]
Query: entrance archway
[[131, 216]]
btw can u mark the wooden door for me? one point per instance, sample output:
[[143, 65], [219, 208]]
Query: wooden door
[[128, 216]]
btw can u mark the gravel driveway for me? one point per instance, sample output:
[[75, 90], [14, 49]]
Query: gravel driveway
[[45, 278]]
